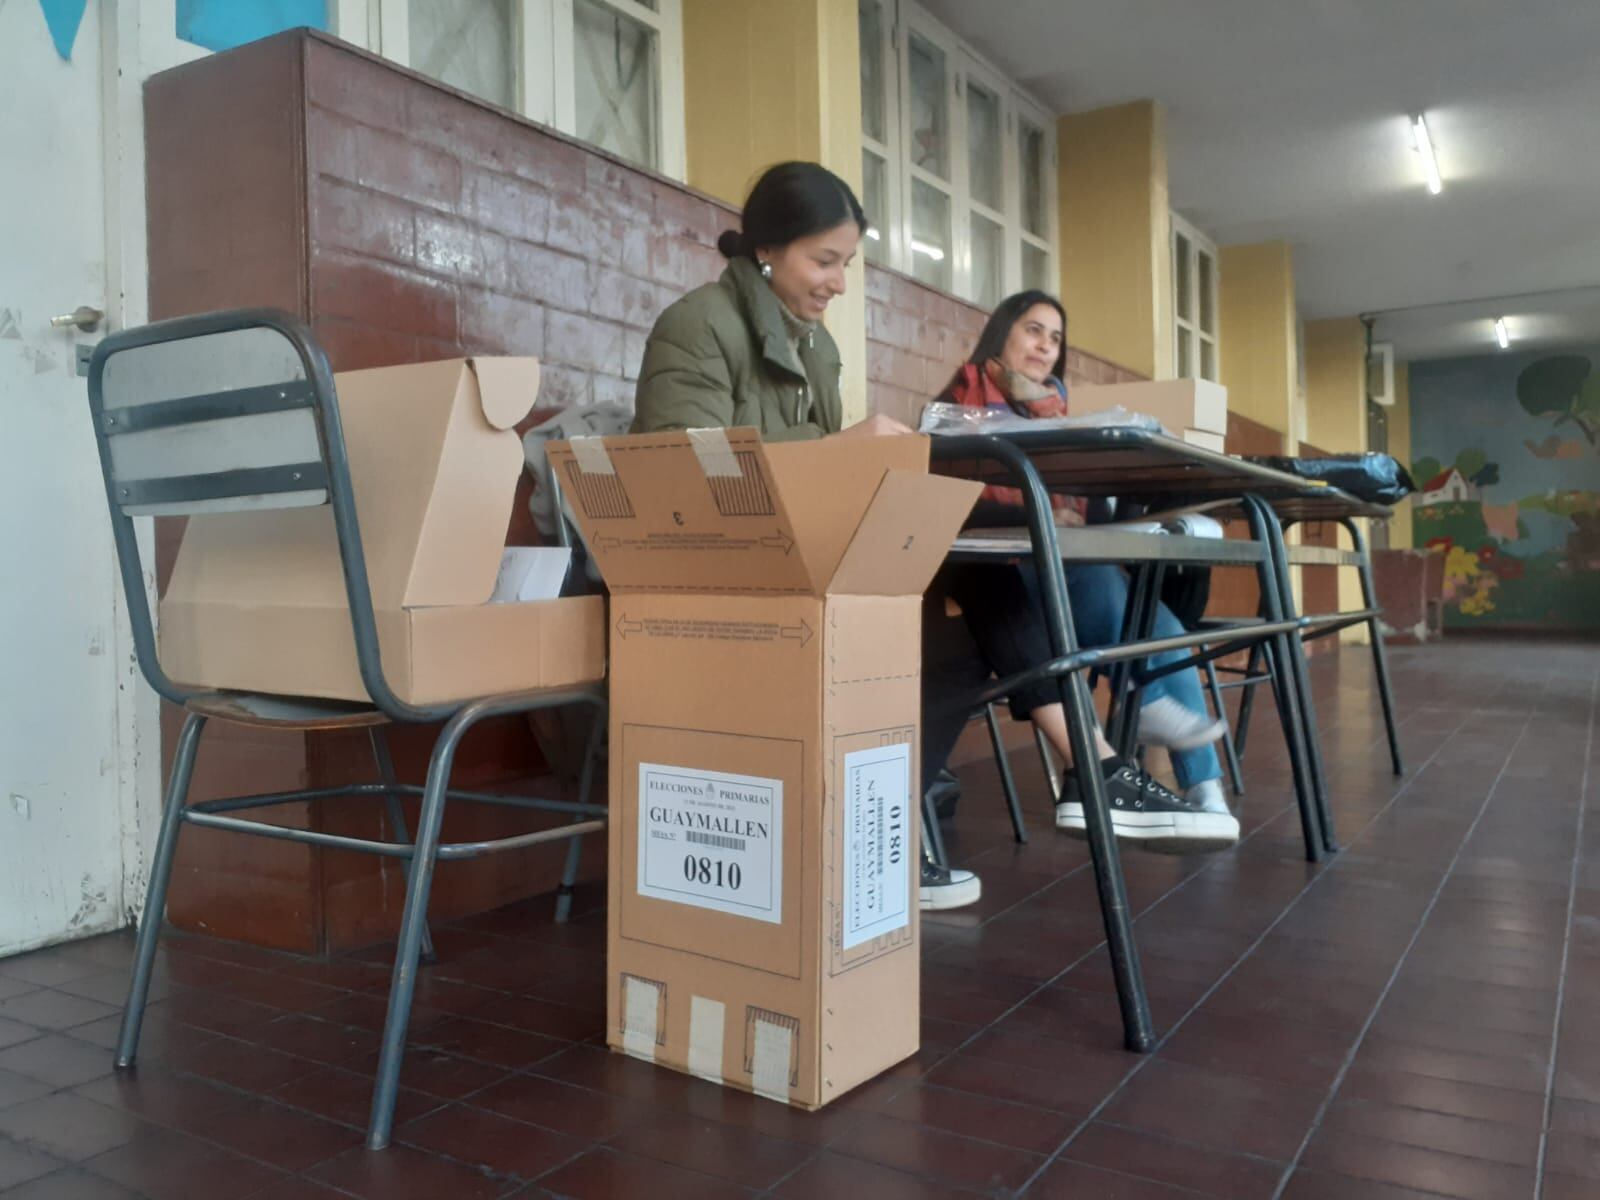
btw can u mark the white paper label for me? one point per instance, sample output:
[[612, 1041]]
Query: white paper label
[[877, 842], [712, 840]]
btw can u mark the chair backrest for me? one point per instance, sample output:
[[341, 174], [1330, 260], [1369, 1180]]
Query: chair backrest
[[227, 412], [209, 422]]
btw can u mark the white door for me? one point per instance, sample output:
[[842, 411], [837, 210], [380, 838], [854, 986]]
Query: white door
[[64, 745]]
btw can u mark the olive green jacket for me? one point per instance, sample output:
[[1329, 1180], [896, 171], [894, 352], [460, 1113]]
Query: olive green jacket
[[721, 356]]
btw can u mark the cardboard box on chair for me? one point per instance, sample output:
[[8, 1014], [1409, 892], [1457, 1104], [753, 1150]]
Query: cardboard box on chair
[[765, 707], [257, 599]]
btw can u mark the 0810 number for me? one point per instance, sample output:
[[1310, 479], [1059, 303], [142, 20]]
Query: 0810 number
[[707, 871]]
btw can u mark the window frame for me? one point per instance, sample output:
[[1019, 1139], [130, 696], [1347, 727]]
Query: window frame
[[546, 82], [901, 20], [1199, 245]]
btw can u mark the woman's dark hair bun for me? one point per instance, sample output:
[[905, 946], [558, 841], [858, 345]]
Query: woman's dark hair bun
[[792, 200]]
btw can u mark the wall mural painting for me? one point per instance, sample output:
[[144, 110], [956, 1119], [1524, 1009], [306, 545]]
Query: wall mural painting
[[1509, 479]]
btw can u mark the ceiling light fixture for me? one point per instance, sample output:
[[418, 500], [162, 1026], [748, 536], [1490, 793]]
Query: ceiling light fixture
[[874, 234], [1424, 144], [1501, 333]]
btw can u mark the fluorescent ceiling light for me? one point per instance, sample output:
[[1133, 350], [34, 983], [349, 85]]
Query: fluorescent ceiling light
[[874, 234], [1500, 333], [1424, 144], [932, 252]]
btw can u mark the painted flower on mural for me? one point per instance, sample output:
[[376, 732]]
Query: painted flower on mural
[[1467, 582]]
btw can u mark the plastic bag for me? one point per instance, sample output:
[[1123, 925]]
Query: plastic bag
[[1374, 477], [942, 418], [599, 420]]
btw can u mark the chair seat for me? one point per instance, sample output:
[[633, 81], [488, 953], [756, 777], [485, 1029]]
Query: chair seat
[[285, 712]]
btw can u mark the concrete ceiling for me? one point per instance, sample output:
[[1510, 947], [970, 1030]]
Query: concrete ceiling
[[1289, 121]]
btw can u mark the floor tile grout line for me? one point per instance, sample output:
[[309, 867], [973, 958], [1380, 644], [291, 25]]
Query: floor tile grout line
[[1321, 874], [1350, 1056], [1282, 814], [1566, 949]]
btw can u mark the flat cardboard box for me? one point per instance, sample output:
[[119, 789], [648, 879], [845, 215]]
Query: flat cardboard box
[[765, 708], [1178, 404], [257, 599], [1206, 440]]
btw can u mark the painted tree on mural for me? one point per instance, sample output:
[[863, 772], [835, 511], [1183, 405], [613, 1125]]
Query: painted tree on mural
[[1566, 387]]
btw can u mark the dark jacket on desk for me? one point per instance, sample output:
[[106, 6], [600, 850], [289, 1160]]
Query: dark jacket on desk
[[725, 356]]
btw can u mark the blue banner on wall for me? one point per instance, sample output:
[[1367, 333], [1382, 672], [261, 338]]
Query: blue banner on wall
[[224, 24], [63, 17]]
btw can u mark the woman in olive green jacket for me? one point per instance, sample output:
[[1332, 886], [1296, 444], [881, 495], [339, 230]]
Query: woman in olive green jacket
[[750, 349]]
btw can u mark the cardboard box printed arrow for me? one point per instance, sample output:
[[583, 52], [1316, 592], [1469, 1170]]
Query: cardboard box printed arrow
[[800, 633]]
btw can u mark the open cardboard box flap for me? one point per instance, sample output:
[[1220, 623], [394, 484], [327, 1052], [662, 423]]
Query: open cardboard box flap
[[434, 461], [718, 511]]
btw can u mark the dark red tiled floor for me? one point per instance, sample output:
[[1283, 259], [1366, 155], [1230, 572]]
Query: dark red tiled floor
[[1411, 1020]]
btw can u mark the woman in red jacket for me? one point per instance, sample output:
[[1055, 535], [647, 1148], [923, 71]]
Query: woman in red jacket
[[1017, 365]]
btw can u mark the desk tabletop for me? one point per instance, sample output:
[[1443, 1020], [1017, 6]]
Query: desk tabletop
[[1138, 464]]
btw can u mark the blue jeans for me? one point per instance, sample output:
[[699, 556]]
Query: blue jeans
[[1001, 605]]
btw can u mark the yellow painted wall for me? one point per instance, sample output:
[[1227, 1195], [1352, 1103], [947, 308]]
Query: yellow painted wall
[[1116, 262], [770, 80], [1336, 417], [1256, 322], [1400, 533], [1336, 385]]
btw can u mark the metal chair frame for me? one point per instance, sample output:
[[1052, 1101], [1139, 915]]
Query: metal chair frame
[[281, 486]]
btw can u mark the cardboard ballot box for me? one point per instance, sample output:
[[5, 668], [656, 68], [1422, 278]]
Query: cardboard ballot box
[[765, 701], [257, 599], [1195, 410]]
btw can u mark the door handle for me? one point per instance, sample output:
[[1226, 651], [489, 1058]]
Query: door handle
[[83, 317]]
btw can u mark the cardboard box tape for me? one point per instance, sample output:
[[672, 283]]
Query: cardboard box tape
[[716, 456], [591, 455]]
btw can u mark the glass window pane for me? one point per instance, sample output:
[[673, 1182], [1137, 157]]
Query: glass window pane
[[875, 199], [1208, 360], [930, 111], [616, 74], [930, 235], [1185, 354], [1181, 278], [983, 146], [988, 253], [1208, 315], [873, 121], [468, 44], [1036, 270], [1035, 190]]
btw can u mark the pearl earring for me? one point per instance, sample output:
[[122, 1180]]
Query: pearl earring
[[766, 271]]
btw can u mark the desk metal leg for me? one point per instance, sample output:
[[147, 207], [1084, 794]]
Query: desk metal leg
[[1297, 678], [1137, 1027], [1380, 661], [1298, 733]]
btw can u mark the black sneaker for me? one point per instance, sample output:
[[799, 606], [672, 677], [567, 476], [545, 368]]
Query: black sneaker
[[1155, 817], [942, 888]]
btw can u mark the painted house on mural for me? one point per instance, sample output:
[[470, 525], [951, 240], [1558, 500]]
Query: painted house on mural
[[1447, 487]]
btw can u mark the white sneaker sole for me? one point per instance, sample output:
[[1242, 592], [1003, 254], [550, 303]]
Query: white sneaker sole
[[1193, 740], [1163, 832], [953, 895]]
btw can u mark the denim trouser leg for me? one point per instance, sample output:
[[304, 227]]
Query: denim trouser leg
[[1099, 597]]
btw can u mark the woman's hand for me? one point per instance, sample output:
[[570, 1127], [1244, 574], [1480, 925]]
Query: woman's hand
[[877, 425]]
